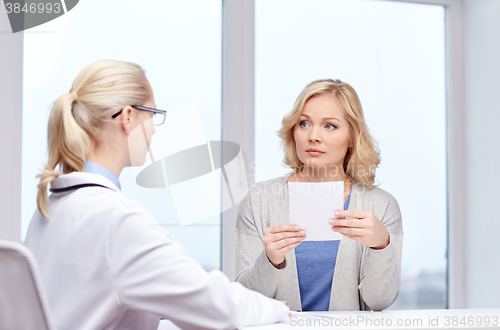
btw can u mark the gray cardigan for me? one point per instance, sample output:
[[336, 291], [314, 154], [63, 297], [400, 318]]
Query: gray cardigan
[[364, 278]]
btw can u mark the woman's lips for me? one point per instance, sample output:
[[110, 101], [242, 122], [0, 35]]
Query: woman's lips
[[315, 153]]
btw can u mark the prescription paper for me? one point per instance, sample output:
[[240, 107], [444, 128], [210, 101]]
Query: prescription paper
[[312, 205]]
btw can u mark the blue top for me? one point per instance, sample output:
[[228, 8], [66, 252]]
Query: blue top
[[315, 266], [95, 168]]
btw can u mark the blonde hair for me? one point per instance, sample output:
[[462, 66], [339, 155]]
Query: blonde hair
[[363, 158], [77, 118]]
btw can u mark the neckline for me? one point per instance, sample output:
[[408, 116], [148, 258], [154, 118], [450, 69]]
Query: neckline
[[287, 176]]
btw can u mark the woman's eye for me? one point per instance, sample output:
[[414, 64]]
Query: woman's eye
[[330, 126], [303, 124]]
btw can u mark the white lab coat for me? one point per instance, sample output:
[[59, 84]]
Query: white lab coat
[[107, 264]]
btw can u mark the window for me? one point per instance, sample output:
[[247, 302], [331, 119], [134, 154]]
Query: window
[[397, 65], [178, 44]]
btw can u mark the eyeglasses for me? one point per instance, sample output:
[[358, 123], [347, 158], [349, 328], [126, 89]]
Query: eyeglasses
[[158, 115]]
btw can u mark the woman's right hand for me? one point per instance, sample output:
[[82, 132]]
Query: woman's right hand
[[280, 239]]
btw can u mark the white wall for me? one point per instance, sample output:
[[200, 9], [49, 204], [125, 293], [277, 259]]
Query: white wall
[[11, 79], [482, 104]]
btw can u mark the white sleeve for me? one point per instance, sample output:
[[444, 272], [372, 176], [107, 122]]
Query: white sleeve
[[152, 273]]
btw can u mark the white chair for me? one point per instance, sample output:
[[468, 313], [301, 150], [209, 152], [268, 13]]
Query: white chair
[[23, 304]]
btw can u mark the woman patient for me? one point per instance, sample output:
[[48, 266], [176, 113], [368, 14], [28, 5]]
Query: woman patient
[[324, 138]]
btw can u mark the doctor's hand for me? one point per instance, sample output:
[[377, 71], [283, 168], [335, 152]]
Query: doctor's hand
[[361, 226], [279, 240]]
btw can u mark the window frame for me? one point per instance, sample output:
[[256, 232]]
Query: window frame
[[238, 92]]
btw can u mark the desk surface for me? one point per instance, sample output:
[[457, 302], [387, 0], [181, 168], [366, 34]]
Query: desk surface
[[435, 319]]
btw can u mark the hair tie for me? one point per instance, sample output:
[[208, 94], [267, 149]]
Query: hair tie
[[75, 96]]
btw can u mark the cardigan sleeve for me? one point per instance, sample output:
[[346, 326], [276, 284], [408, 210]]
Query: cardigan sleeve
[[380, 274], [253, 268]]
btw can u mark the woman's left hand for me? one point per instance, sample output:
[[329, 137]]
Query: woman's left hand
[[361, 226]]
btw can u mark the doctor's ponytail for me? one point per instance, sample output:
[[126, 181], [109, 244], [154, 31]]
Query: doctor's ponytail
[[68, 143], [77, 118]]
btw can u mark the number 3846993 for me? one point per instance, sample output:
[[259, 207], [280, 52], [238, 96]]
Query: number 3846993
[[33, 8]]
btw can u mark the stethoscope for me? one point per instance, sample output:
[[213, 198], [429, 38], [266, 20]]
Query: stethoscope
[[77, 186]]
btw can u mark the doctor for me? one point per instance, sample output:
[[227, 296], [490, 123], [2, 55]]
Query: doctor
[[104, 261]]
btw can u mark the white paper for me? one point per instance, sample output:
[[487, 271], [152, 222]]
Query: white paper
[[312, 205]]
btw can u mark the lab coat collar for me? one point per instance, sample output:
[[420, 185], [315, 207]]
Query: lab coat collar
[[78, 178]]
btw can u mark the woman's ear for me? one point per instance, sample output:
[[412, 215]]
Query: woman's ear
[[127, 119]]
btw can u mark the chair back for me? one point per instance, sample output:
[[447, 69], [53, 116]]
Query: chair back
[[23, 304]]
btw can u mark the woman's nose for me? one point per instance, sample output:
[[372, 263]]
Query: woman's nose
[[314, 136]]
